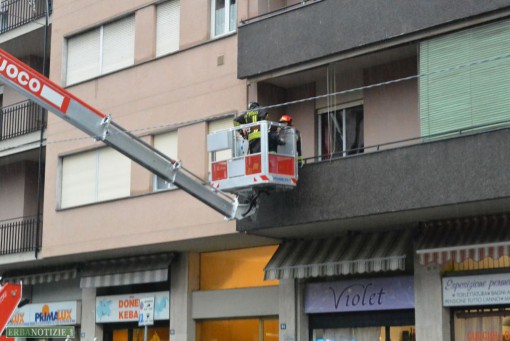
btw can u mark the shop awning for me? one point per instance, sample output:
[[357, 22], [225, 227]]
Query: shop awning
[[126, 271], [42, 277], [356, 254], [460, 239]]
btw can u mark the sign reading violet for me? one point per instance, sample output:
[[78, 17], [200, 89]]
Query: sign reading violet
[[476, 290], [360, 295]]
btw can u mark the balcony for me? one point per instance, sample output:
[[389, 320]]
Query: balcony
[[316, 30], [459, 176], [16, 13], [20, 235], [20, 119]]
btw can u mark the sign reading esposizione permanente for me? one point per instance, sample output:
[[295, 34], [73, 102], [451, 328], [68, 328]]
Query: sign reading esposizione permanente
[[61, 332], [490, 289]]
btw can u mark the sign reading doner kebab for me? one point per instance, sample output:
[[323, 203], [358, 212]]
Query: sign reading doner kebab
[[61, 332]]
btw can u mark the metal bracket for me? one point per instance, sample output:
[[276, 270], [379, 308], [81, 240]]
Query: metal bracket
[[175, 167], [105, 122]]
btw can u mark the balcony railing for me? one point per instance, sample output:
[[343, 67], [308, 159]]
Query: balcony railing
[[20, 119], [16, 13], [19, 235]]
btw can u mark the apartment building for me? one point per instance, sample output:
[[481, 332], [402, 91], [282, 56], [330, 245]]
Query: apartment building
[[24, 31], [398, 229]]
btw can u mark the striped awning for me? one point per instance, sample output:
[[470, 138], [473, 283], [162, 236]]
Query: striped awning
[[474, 238], [357, 254], [42, 277], [126, 271]]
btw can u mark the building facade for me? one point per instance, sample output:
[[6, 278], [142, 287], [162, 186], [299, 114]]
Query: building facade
[[398, 229]]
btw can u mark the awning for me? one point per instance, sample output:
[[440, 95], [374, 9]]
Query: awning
[[460, 239], [42, 277], [361, 253], [126, 271]]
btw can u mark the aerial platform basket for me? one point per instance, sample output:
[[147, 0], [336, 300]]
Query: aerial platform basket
[[234, 169]]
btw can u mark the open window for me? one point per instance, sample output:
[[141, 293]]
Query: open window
[[340, 131]]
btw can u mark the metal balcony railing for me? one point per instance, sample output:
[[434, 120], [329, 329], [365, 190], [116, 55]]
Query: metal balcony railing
[[19, 235], [20, 119], [16, 13]]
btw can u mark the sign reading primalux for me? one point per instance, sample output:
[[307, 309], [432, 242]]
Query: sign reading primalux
[[60, 332]]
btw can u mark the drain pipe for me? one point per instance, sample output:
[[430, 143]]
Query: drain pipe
[[40, 182]]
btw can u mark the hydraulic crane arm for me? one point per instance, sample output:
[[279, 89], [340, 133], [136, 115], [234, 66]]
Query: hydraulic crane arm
[[59, 101]]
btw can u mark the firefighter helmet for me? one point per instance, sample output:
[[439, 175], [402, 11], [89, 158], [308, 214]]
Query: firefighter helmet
[[286, 119], [253, 105]]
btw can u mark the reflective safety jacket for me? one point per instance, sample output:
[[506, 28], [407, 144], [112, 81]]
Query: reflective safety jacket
[[251, 116]]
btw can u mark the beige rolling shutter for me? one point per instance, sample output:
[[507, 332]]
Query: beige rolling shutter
[[167, 27], [118, 45], [78, 179], [221, 124], [83, 56], [167, 144], [113, 175]]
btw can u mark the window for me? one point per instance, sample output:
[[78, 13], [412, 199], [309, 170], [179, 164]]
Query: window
[[466, 83], [238, 329], [235, 269], [341, 132], [101, 50], [218, 125], [93, 176], [167, 144], [167, 27], [224, 17]]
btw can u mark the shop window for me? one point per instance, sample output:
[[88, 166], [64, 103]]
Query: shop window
[[156, 333], [238, 330], [482, 325], [341, 132], [235, 269], [224, 17], [403, 333]]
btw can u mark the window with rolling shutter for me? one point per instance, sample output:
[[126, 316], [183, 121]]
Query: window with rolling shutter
[[94, 176], [466, 80], [167, 27], [101, 50], [221, 124]]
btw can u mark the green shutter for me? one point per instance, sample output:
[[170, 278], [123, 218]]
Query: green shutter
[[453, 97]]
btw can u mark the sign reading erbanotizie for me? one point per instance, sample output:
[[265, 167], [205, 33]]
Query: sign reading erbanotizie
[[60, 332]]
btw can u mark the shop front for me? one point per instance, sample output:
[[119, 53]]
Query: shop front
[[119, 316], [379, 308], [472, 255], [480, 306], [352, 288], [52, 314]]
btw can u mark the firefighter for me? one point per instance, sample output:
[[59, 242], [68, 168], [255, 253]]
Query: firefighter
[[251, 116], [287, 121]]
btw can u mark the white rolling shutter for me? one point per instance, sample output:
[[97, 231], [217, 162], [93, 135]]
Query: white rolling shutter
[[167, 27], [78, 179], [222, 124], [83, 56], [113, 175], [118, 45]]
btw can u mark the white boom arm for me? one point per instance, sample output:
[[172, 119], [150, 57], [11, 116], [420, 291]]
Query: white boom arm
[[59, 101]]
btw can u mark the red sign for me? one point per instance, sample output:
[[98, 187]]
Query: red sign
[[10, 296]]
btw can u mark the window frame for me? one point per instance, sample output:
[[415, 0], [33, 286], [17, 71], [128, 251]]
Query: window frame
[[322, 112], [155, 178], [226, 22]]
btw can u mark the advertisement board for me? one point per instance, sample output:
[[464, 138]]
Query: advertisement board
[[126, 308], [491, 289]]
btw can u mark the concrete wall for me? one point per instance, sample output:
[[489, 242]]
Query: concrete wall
[[329, 27]]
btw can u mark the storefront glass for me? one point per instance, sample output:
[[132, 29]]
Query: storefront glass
[[400, 333], [482, 325], [136, 334], [238, 330], [235, 269]]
